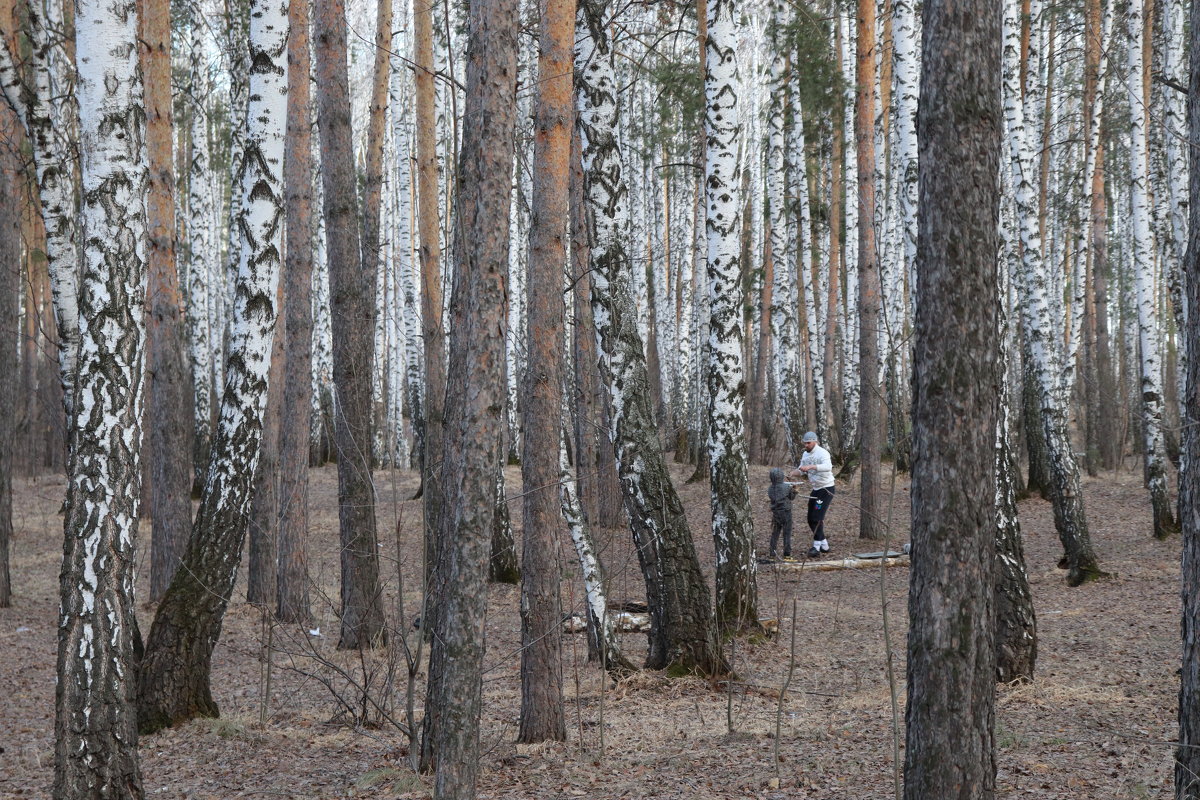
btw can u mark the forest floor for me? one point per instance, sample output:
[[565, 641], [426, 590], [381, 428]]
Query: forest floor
[[1095, 723]]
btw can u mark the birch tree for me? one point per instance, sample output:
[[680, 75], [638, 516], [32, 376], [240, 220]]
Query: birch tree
[[950, 720], [1187, 756], [681, 631], [95, 754], [1151, 376], [173, 681], [47, 109], [733, 528], [1066, 495]]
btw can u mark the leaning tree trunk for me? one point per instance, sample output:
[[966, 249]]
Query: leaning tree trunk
[[352, 303], [1187, 756], [173, 682], [1066, 496], [1150, 362], [681, 631], [733, 527], [471, 451], [542, 715], [1016, 623], [957, 374], [95, 754], [291, 585]]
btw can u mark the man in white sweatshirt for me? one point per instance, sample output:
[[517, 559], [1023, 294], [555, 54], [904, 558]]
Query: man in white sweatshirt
[[818, 466]]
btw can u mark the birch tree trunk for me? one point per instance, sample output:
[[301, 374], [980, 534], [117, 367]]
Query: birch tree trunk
[[474, 425], [173, 681], [542, 715], [1016, 622], [352, 305], [1066, 495], [291, 585], [95, 754], [680, 612], [48, 112], [733, 528], [950, 719], [1150, 394]]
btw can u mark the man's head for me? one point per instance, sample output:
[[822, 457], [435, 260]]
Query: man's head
[[809, 441]]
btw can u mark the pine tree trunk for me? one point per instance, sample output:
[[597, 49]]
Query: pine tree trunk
[[474, 426], [950, 719], [167, 401], [291, 587], [681, 633], [95, 721], [433, 335], [173, 682], [542, 715], [870, 412], [12, 176], [352, 303], [733, 527]]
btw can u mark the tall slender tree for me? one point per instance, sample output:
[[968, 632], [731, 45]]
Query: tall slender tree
[[472, 444], [433, 334], [352, 304], [733, 527], [870, 409], [291, 587], [167, 388], [1187, 756], [681, 631], [174, 678], [95, 754], [950, 719], [12, 175], [1150, 391], [542, 715], [1042, 346]]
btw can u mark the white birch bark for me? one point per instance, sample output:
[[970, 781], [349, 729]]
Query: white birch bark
[[848, 317], [202, 262], [48, 111], [1036, 321], [733, 531], [1142, 251], [1175, 131], [679, 609], [95, 723], [783, 310]]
